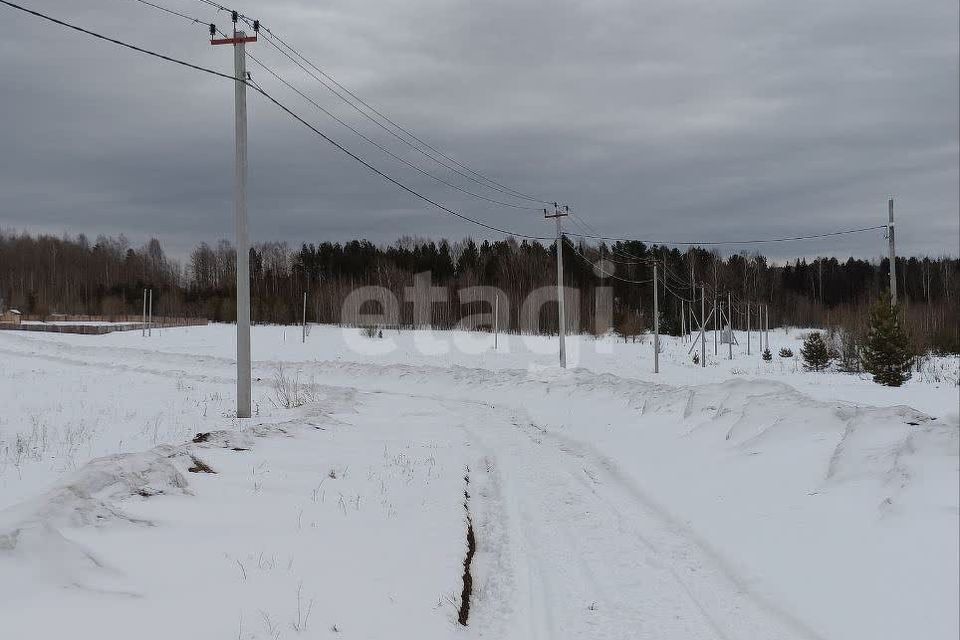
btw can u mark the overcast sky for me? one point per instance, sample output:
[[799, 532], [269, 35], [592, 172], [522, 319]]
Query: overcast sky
[[662, 119]]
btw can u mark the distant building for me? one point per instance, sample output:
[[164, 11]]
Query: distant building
[[11, 316]]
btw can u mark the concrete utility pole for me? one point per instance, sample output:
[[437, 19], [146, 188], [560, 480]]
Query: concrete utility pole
[[760, 327], [748, 328], [716, 325], [893, 255], [820, 277], [496, 322], [304, 317], [239, 41], [561, 317], [683, 324], [150, 316], [143, 325], [703, 327], [656, 323], [730, 325], [766, 327]]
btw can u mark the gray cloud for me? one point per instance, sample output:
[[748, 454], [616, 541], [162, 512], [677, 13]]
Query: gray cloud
[[667, 119]]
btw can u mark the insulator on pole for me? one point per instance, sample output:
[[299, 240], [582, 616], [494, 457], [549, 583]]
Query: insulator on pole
[[234, 16], [213, 29], [256, 26]]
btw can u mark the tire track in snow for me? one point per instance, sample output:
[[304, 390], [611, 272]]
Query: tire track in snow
[[682, 588], [588, 580], [792, 627]]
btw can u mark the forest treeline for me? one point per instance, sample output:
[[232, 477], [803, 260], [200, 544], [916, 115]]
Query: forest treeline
[[44, 274]]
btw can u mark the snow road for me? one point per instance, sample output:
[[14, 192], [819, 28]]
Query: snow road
[[595, 558], [605, 507]]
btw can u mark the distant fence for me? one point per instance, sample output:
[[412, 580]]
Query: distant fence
[[119, 317], [71, 324]]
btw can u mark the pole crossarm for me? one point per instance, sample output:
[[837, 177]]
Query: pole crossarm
[[234, 40]]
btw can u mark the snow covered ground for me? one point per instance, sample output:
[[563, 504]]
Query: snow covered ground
[[741, 500]]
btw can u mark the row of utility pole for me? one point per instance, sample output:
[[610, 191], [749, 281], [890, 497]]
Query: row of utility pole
[[239, 40], [722, 321]]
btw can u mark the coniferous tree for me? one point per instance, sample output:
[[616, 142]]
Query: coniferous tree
[[766, 355], [814, 352], [887, 352]]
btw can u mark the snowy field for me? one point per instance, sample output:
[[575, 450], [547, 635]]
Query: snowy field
[[743, 500]]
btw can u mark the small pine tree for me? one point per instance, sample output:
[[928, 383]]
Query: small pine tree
[[814, 352], [767, 356], [786, 353], [696, 358], [887, 352]]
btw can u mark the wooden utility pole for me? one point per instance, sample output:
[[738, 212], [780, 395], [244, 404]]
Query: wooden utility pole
[[239, 41], [558, 213], [150, 315], [304, 317], [143, 324], [748, 328], [893, 254]]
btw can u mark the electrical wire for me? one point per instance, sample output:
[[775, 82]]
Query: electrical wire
[[170, 11], [383, 148], [599, 236], [279, 105], [599, 267], [286, 50], [667, 288], [296, 57], [595, 235], [736, 242], [496, 187], [329, 114], [632, 260], [490, 183]]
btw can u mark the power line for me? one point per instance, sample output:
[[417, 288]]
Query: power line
[[599, 267], [269, 37], [170, 11], [492, 184], [596, 236], [632, 259], [629, 262], [387, 177], [599, 236], [278, 104], [383, 148], [120, 43], [329, 114], [300, 60]]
